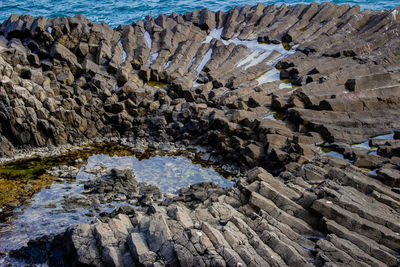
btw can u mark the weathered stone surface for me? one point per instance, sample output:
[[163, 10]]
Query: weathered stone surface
[[159, 232], [379, 233], [85, 81], [62, 53], [139, 249], [390, 177], [181, 214], [83, 246], [370, 82]]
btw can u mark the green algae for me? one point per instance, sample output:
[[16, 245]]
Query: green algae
[[264, 42], [157, 84], [15, 172], [303, 29], [20, 180], [327, 149], [278, 115], [332, 152], [288, 81], [287, 46], [366, 169]]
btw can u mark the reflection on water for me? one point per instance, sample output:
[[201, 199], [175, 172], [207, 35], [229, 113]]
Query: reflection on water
[[373, 150], [384, 137], [327, 151], [169, 173], [47, 212], [373, 172], [366, 146], [335, 154], [44, 215]]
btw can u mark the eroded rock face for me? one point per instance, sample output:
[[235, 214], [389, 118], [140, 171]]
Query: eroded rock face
[[119, 186], [264, 221], [68, 79]]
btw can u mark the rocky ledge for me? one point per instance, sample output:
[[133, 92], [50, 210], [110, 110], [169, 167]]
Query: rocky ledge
[[69, 80]]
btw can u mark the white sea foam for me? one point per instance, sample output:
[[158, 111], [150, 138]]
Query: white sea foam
[[260, 51], [270, 117], [214, 34], [196, 84], [253, 44], [249, 59], [285, 85], [191, 62], [203, 62], [148, 39], [269, 76], [254, 61], [395, 13], [123, 55], [167, 65], [153, 57]]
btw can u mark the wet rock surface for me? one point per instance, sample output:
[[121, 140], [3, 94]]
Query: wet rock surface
[[78, 193], [69, 80]]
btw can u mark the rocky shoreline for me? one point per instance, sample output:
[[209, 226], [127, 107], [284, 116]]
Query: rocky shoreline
[[215, 80]]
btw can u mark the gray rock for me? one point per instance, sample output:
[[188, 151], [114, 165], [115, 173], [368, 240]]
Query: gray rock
[[159, 232], [62, 53], [139, 249]]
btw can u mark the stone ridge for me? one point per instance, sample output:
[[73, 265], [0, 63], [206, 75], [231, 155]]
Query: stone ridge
[[68, 80]]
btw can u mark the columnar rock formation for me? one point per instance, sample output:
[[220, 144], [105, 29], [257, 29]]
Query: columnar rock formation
[[65, 80]]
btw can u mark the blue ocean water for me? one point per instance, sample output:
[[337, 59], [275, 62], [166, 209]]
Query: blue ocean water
[[116, 12]]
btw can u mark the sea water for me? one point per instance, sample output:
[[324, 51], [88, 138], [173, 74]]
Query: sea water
[[121, 12]]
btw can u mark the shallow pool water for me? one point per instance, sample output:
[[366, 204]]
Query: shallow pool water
[[47, 212], [365, 145], [275, 116], [169, 173], [334, 154], [327, 151], [373, 150], [44, 215]]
